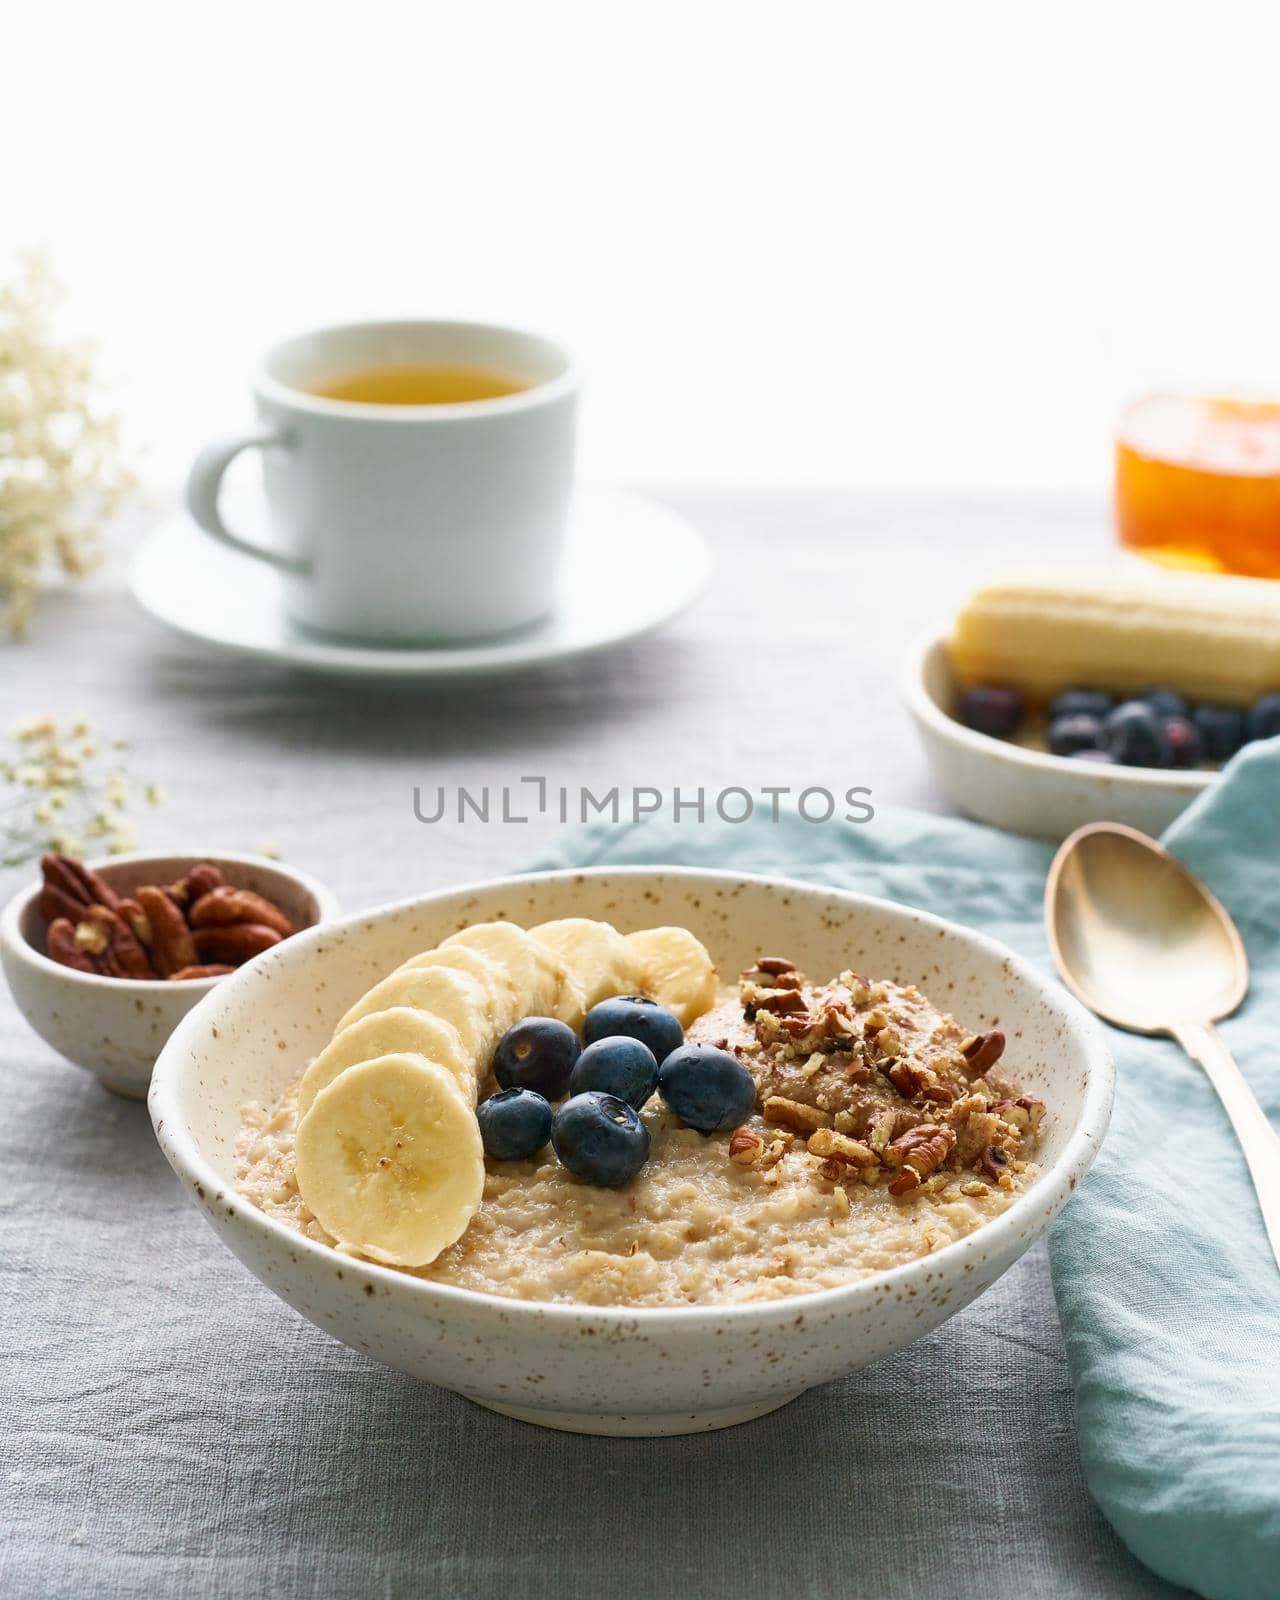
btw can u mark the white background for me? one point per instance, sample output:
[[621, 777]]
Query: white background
[[879, 244]]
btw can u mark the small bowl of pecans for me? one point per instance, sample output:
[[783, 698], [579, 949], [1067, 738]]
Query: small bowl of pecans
[[104, 959]]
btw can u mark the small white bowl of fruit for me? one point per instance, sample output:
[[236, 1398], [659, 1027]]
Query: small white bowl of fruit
[[1057, 701]]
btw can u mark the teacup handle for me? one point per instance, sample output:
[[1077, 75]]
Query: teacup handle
[[204, 483]]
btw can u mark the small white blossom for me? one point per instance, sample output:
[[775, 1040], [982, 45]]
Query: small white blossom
[[60, 471], [59, 798]]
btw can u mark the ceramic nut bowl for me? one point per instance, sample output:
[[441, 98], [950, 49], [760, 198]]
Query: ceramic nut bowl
[[616, 1370], [1030, 791], [115, 1027]]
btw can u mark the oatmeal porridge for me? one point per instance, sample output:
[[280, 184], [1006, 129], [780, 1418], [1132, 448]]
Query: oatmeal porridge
[[882, 1130]]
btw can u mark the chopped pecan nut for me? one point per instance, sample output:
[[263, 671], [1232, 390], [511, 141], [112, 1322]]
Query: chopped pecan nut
[[837, 1024], [775, 966], [792, 1114], [745, 1146], [881, 1127], [1024, 1114], [780, 1000], [908, 1078], [776, 1149], [994, 1162], [982, 1050], [839, 1147]]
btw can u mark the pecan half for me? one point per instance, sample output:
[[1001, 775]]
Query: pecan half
[[169, 941], [63, 947], [70, 888], [919, 1152], [200, 881], [224, 907], [106, 936], [214, 970], [775, 966], [240, 941], [982, 1050]]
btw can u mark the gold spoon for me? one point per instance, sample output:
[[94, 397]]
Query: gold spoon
[[1142, 942]]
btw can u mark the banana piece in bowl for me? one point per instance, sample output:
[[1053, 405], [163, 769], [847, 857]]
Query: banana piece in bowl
[[455, 996], [675, 970], [398, 1030], [599, 958], [505, 998], [539, 978], [389, 1159]]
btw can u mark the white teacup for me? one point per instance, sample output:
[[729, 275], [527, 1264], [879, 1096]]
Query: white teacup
[[408, 524]]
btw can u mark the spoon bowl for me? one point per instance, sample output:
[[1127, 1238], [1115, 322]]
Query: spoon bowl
[[1137, 936], [1142, 942]]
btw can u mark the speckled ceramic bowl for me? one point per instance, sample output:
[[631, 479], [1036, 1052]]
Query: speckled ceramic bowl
[[1030, 791], [612, 1370], [115, 1027]]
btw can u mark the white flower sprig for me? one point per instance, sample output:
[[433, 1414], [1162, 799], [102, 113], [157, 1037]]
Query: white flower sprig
[[60, 791], [60, 471]]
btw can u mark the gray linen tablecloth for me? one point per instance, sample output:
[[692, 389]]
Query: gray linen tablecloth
[[171, 1428]]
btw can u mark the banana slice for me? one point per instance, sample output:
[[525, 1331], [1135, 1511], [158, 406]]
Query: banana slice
[[537, 974], [389, 1160], [595, 953], [453, 996], [496, 979], [382, 1033], [675, 970]]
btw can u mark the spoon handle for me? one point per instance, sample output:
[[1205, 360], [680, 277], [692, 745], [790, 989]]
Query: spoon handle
[[1258, 1139]]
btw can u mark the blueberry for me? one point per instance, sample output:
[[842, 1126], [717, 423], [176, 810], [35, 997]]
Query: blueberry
[[1081, 703], [600, 1138], [1221, 729], [537, 1053], [1185, 744], [707, 1087], [992, 710], [1264, 719], [620, 1066], [1076, 732], [1099, 757], [634, 1017], [514, 1123], [1134, 736], [1164, 702]]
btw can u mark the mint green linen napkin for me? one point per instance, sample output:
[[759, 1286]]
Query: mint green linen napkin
[[1169, 1298]]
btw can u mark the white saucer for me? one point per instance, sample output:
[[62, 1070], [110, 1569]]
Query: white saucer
[[629, 565]]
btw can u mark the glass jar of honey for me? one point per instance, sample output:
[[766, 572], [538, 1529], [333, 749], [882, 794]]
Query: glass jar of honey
[[1198, 483]]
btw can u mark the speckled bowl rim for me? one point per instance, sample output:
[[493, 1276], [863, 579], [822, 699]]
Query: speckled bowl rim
[[1045, 1197], [926, 710], [13, 938]]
